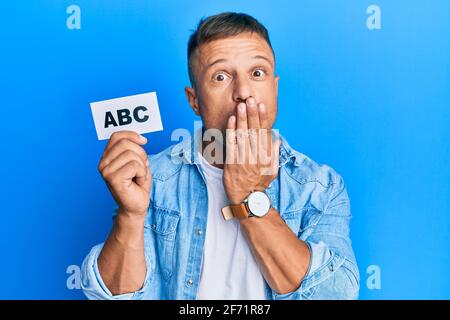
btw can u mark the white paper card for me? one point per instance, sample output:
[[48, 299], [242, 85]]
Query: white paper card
[[139, 113]]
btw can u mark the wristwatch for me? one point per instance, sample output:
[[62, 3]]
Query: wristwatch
[[257, 204]]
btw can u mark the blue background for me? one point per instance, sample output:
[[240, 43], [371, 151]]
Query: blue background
[[373, 104]]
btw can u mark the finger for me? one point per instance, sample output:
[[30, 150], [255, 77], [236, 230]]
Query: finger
[[142, 180], [241, 116], [263, 116], [253, 128], [126, 134], [119, 147], [231, 146], [130, 170], [272, 170], [265, 136], [253, 146], [242, 134], [276, 157], [252, 114], [121, 160]]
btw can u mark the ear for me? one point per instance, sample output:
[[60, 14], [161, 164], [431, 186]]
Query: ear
[[193, 100], [277, 78]]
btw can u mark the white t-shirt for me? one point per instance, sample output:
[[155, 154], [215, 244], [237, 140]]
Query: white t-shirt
[[229, 269]]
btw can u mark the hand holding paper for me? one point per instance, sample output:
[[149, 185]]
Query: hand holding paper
[[124, 165], [125, 168]]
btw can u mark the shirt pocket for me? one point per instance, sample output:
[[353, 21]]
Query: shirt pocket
[[293, 220], [163, 225], [303, 221], [310, 219]]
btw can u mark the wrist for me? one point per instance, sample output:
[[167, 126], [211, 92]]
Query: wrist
[[131, 220], [132, 215], [238, 197], [129, 228]]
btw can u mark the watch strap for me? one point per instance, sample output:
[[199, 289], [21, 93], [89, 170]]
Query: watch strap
[[238, 211], [227, 213]]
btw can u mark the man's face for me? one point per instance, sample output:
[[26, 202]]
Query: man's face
[[228, 71]]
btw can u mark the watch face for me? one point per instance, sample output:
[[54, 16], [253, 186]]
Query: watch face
[[258, 203]]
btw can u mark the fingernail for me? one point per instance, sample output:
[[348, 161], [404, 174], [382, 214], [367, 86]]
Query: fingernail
[[262, 107], [251, 102], [232, 118], [143, 139], [241, 107]]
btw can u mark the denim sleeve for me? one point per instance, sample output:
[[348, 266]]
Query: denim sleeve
[[333, 272], [92, 283]]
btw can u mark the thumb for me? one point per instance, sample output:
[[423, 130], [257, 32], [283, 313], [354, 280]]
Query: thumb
[[145, 180]]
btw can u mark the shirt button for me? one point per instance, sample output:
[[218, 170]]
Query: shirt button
[[199, 232], [190, 282]]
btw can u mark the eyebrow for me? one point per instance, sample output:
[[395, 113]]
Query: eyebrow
[[215, 62], [224, 60], [264, 58]]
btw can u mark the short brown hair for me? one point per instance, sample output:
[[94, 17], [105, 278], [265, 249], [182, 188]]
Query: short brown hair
[[221, 26]]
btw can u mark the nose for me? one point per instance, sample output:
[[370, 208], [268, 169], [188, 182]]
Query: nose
[[242, 89]]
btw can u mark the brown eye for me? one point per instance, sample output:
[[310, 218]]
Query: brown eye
[[258, 73], [220, 77]]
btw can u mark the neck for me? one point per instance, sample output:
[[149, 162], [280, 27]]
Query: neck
[[215, 154]]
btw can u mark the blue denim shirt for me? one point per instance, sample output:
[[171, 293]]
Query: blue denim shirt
[[311, 199]]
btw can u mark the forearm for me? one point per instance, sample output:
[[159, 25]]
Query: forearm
[[284, 259], [121, 262]]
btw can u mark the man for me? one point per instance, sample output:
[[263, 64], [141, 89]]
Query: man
[[251, 219]]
